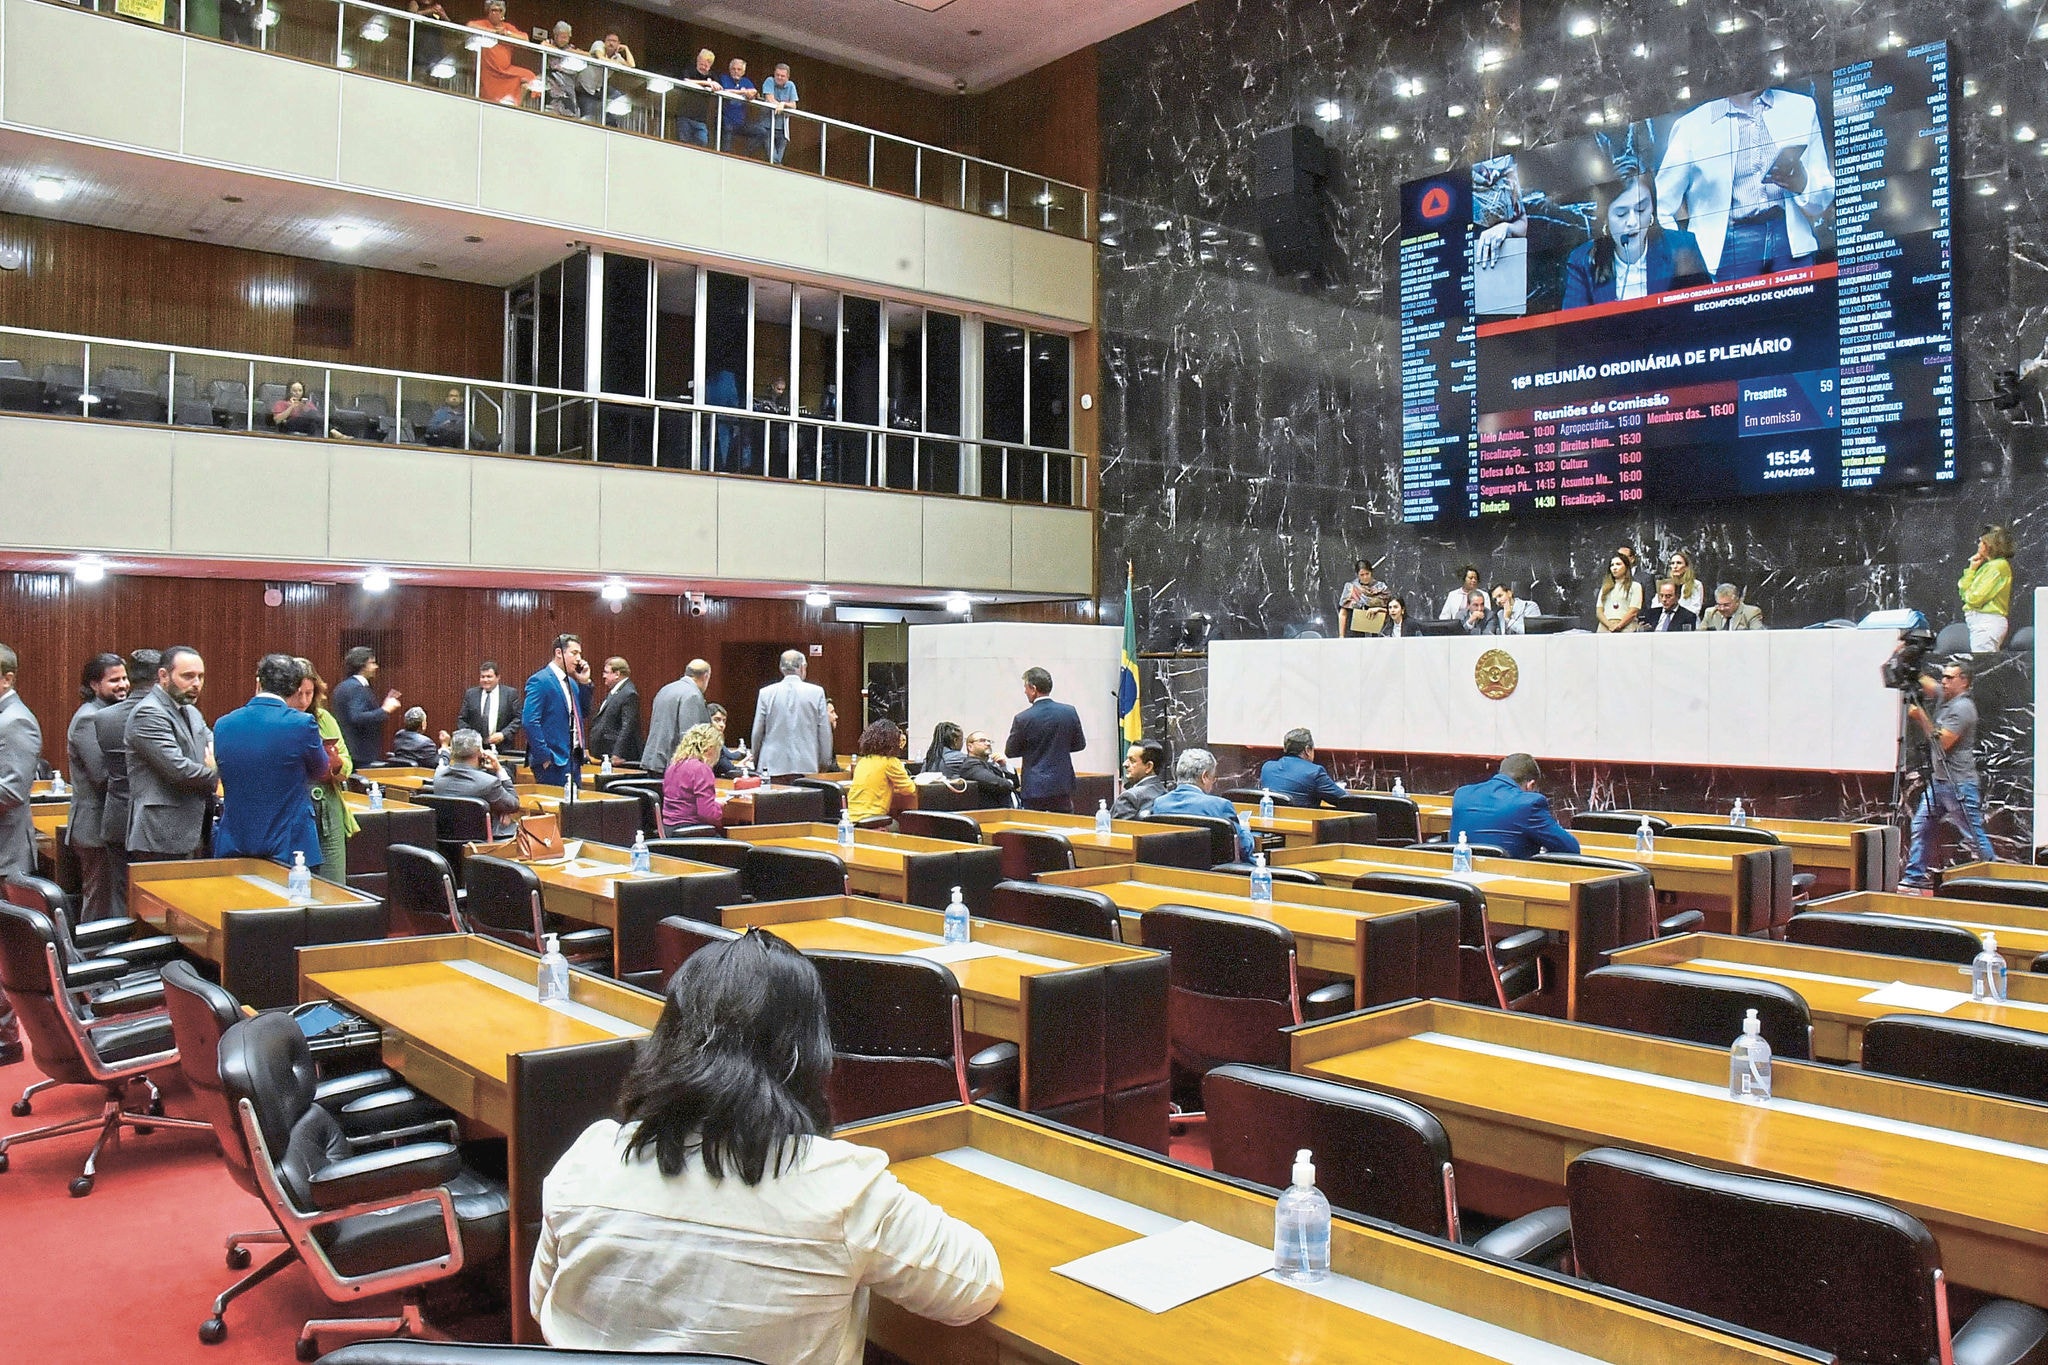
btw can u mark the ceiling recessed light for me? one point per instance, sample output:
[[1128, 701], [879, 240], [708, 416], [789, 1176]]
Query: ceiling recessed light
[[48, 188], [1163, 225], [347, 236], [817, 599], [1547, 84], [1106, 216], [1641, 49], [1728, 26], [376, 580], [1996, 110], [1510, 139], [959, 604], [1987, 189], [1388, 132], [1329, 111], [1490, 58], [88, 571], [1456, 111], [1440, 154], [1585, 26], [614, 591]]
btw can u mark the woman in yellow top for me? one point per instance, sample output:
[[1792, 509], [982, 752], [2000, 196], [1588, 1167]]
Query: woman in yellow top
[[881, 784], [1986, 587], [330, 813]]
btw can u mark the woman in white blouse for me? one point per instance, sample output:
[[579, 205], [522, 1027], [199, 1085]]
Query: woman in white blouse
[[1692, 594], [718, 1216], [1620, 600], [1456, 600]]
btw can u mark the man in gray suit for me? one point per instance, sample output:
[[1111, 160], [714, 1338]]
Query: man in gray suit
[[473, 773], [110, 727], [21, 748], [103, 683], [170, 762], [792, 727], [677, 707]]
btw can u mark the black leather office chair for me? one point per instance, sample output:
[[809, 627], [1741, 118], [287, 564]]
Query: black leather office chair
[[1251, 796], [1504, 971], [1837, 1272], [787, 874], [834, 795], [362, 1223], [421, 885], [1802, 882], [898, 1042], [1223, 846], [720, 852], [1641, 920], [642, 903], [1995, 889], [1289, 876], [1377, 1156], [1896, 935], [1060, 909], [406, 1351], [1400, 819], [458, 820], [505, 903], [71, 1047], [1028, 852], [678, 936], [1962, 1052], [116, 936], [1696, 1007], [1618, 822], [938, 824]]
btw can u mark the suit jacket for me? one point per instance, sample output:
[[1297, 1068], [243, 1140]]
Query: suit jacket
[[1185, 798], [993, 784], [270, 756], [360, 714], [168, 779], [21, 748], [545, 716], [1046, 735], [616, 731], [495, 792], [88, 776], [110, 727], [472, 714], [1293, 775], [678, 707], [1671, 261], [1134, 801], [1746, 618], [1497, 811], [1681, 619], [414, 749], [792, 731]]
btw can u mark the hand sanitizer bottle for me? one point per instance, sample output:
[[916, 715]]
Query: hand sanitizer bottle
[[1749, 1063], [1262, 878], [956, 919], [1266, 807], [1461, 856], [1738, 817], [643, 861], [298, 883], [1987, 973], [554, 972], [57, 787], [1102, 829], [1301, 1227], [1400, 790], [376, 797], [1646, 838], [845, 828], [604, 769]]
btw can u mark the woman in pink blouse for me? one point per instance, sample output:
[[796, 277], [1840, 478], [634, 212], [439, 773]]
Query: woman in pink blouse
[[689, 789]]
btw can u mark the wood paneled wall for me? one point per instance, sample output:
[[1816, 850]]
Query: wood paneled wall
[[1048, 121], [103, 282], [430, 639]]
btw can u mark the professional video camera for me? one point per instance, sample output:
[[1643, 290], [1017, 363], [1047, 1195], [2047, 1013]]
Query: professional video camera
[[1901, 671]]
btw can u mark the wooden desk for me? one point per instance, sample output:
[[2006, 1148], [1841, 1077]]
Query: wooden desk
[[1522, 1095], [1324, 920], [1712, 877], [1294, 826], [1842, 855], [234, 913], [875, 865], [359, 802], [460, 1022], [1120, 845], [772, 805], [49, 818], [541, 799], [1538, 895], [2022, 929], [1833, 983], [1045, 1197], [2002, 872], [397, 779], [992, 989]]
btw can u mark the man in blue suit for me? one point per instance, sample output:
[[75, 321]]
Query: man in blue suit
[[269, 756], [1508, 812], [1045, 735], [1296, 773], [1194, 775], [557, 701]]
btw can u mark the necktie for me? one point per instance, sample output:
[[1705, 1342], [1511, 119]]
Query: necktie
[[575, 713], [490, 713]]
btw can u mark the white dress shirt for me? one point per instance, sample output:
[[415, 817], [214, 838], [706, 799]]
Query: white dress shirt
[[1454, 605], [490, 700], [633, 1260]]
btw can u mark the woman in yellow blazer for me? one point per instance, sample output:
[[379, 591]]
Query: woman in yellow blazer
[[1986, 588], [881, 784]]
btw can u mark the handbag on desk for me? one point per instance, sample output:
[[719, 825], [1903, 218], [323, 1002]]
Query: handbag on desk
[[538, 836]]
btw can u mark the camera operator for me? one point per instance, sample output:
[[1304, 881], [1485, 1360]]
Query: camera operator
[[1951, 792]]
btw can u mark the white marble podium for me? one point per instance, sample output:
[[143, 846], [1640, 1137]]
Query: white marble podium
[[1800, 699]]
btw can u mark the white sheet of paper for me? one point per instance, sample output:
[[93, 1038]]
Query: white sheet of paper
[[1172, 1268], [1907, 996], [954, 952]]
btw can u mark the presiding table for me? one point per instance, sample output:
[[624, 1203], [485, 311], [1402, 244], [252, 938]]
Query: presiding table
[[1522, 1095]]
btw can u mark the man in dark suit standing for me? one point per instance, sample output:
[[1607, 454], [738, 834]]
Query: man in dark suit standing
[[270, 756], [103, 683], [1045, 735], [616, 731], [170, 762], [21, 748], [1508, 812], [110, 727], [678, 707], [490, 708], [1667, 615], [557, 700], [357, 710]]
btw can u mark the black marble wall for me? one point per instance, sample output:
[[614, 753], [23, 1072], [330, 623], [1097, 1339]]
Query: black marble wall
[[1250, 427]]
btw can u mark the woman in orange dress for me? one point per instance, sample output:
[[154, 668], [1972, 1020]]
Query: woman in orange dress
[[500, 81]]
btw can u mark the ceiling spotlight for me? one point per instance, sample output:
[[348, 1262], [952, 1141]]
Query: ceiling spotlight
[[1106, 216], [1163, 225], [1547, 84], [817, 599], [1642, 49], [1997, 110], [1440, 154], [1987, 189], [1728, 26], [376, 30], [614, 591], [346, 236], [1585, 26], [1510, 139], [2023, 133], [48, 188], [959, 604], [1492, 58], [376, 580], [1329, 111], [443, 70], [1388, 132], [1456, 111], [1595, 119], [1409, 88], [88, 571]]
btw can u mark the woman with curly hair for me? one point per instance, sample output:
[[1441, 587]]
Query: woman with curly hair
[[881, 784], [689, 788]]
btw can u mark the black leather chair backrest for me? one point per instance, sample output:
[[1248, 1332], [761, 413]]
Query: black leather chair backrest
[[201, 1013], [1355, 828], [501, 896], [786, 874], [1231, 985], [834, 795], [1895, 935], [1065, 1018], [1187, 848], [1028, 852], [457, 819], [556, 1093], [1696, 1007], [1061, 909], [895, 1033], [46, 897], [421, 887], [1727, 834], [1400, 820], [25, 973], [1222, 834], [1995, 889], [974, 870], [266, 1061], [1476, 985], [1251, 796], [414, 1351], [1845, 1274], [676, 937], [1375, 1154], [938, 824], [732, 853], [1637, 920], [1414, 954], [1962, 1052], [641, 903], [1137, 1092], [1291, 876], [1617, 822]]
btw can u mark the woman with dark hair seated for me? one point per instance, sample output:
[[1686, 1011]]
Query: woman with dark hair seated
[[945, 746], [1631, 256], [881, 784], [716, 1215]]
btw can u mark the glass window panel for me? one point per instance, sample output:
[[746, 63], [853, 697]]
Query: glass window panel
[[625, 435], [675, 334], [942, 373], [817, 371], [576, 321], [772, 301], [548, 353], [520, 322], [725, 371], [861, 400], [1002, 386], [1051, 425], [623, 364]]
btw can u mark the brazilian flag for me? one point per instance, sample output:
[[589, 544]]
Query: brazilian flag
[[1130, 725]]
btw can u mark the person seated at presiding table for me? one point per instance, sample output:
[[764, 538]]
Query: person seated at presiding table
[[1190, 795], [1478, 617], [689, 787], [1668, 614], [412, 745], [717, 1214], [881, 784], [1730, 612], [1143, 782], [1510, 613], [1458, 599], [1508, 812], [472, 772], [995, 784], [1296, 772]]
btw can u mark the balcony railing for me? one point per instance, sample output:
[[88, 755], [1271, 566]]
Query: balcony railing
[[61, 374], [374, 40]]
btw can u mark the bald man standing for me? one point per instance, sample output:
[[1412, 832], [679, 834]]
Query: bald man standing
[[792, 725], [678, 707]]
